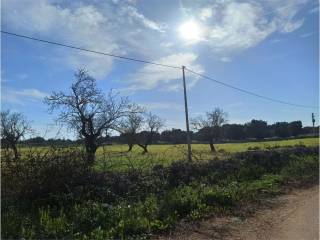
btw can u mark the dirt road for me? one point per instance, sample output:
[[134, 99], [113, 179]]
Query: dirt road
[[300, 221], [294, 216]]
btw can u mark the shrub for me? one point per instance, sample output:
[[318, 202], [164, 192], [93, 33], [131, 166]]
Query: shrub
[[51, 177], [83, 203], [218, 195], [179, 202], [53, 226], [304, 169], [268, 184]]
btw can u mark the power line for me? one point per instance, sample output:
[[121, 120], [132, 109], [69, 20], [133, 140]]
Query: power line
[[249, 92], [158, 64], [88, 50]]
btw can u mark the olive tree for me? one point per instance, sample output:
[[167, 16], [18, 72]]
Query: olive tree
[[129, 128], [14, 126], [151, 125], [210, 125], [88, 111]]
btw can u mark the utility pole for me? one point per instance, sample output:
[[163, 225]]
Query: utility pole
[[313, 122], [186, 112]]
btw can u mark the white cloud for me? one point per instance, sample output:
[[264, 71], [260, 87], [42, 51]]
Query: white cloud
[[226, 59], [121, 28], [10, 95], [133, 13], [152, 76], [233, 26], [291, 26], [305, 35], [167, 44], [314, 10], [237, 30], [276, 40], [83, 26], [205, 13], [104, 27], [163, 106], [22, 76]]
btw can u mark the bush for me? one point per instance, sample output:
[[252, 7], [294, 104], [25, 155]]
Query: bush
[[304, 170], [179, 202], [62, 198], [51, 177], [267, 185], [218, 195]]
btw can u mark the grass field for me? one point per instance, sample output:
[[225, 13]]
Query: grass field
[[117, 157]]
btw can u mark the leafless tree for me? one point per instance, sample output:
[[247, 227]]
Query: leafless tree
[[88, 111], [14, 126], [130, 126], [210, 125], [152, 124]]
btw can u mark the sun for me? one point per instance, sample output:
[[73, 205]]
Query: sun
[[191, 31]]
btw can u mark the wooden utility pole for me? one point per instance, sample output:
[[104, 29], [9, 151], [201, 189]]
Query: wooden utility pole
[[186, 113], [313, 122]]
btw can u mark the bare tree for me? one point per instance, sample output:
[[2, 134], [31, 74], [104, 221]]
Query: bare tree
[[14, 126], [130, 126], [88, 111], [210, 125], [152, 124]]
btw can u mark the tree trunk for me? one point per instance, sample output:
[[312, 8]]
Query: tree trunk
[[130, 147], [91, 148], [91, 156], [144, 147], [15, 151], [212, 148]]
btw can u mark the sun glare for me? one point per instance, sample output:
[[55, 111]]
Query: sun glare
[[191, 31]]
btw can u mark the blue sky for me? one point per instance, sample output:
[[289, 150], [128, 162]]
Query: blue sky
[[268, 47]]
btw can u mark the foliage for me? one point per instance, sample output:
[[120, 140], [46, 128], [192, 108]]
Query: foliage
[[257, 129], [83, 203]]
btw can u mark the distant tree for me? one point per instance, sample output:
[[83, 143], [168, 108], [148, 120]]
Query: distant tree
[[152, 124], [35, 141], [14, 126], [234, 131], [129, 128], [174, 136], [257, 129], [295, 128], [88, 111], [309, 130], [210, 126], [281, 129]]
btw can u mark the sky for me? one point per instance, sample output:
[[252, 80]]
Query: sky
[[269, 47]]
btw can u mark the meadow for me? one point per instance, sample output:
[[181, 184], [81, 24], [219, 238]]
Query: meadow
[[117, 157]]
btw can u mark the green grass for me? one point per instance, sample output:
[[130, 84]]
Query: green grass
[[117, 157]]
